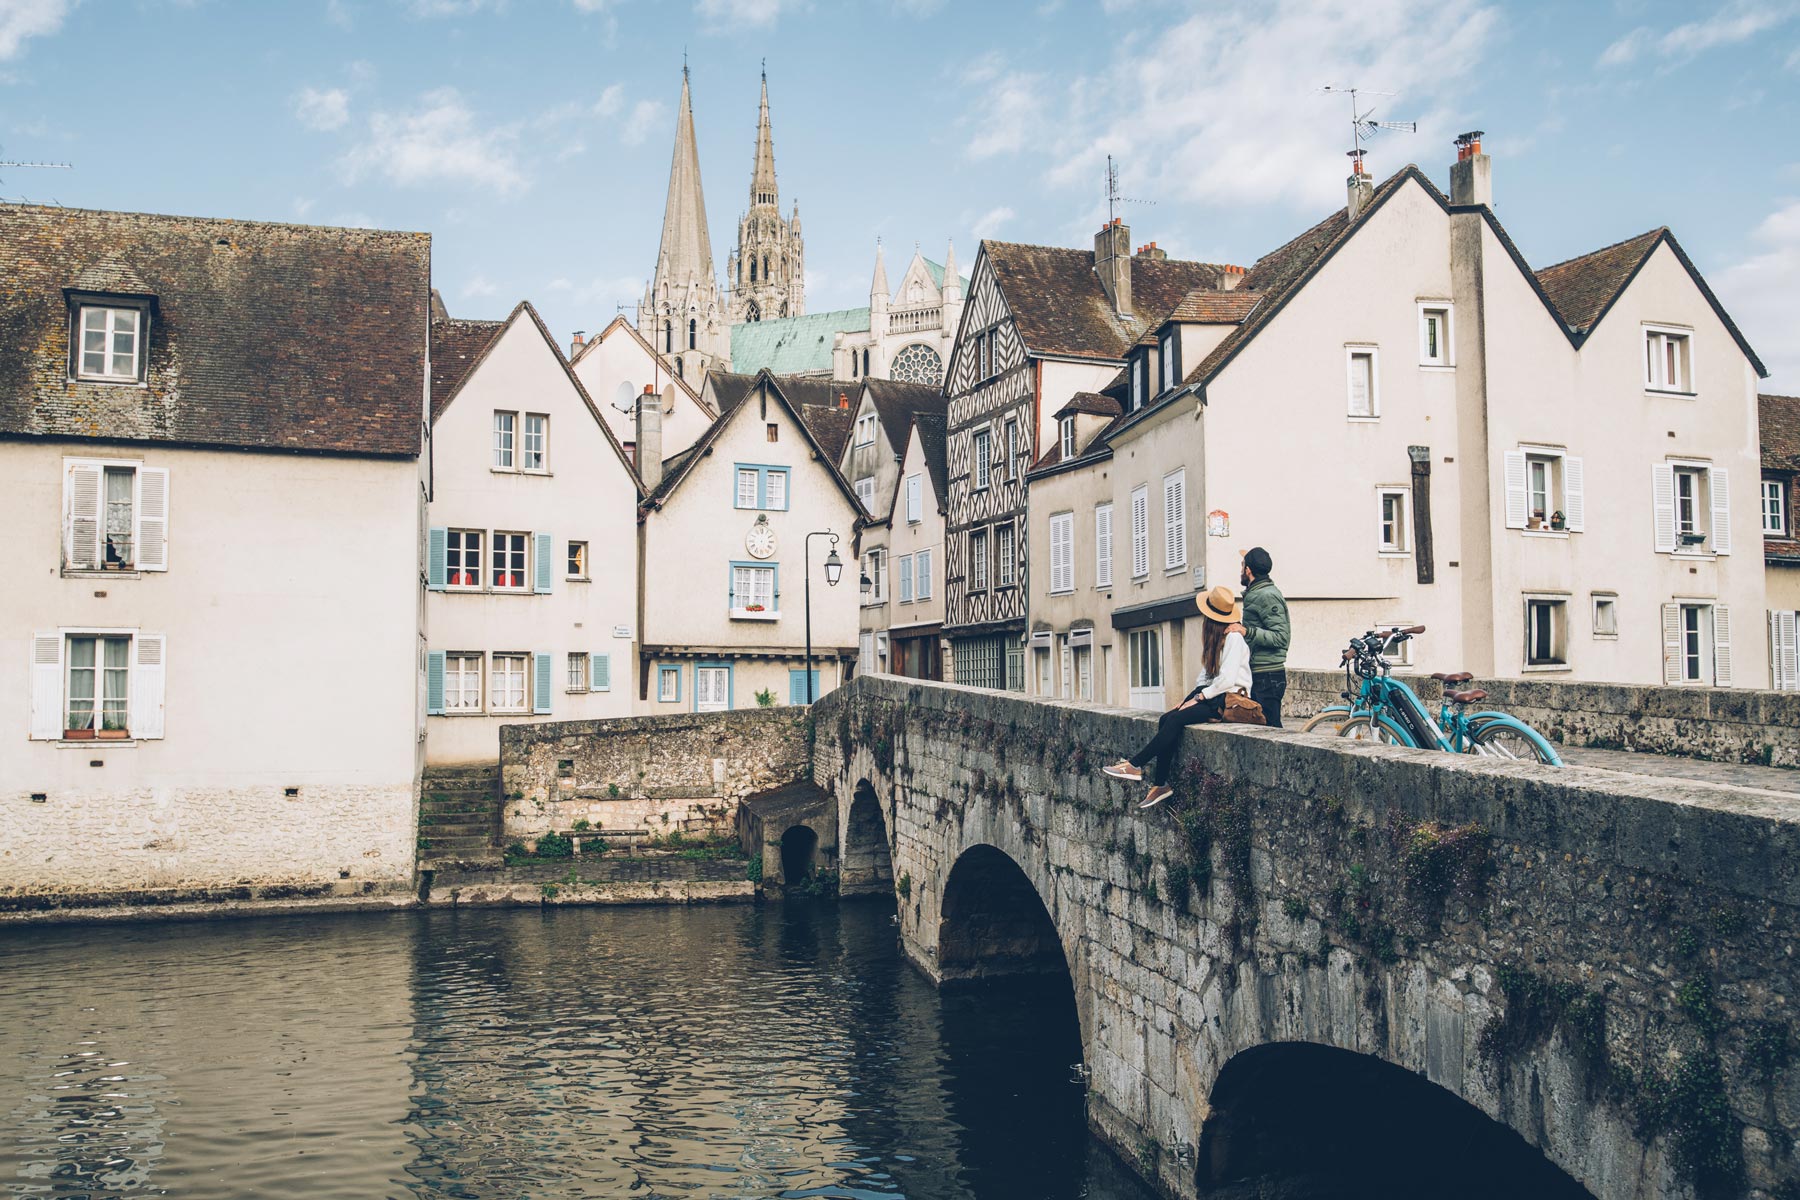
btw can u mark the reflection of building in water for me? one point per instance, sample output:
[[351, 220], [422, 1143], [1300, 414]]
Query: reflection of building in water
[[86, 1123]]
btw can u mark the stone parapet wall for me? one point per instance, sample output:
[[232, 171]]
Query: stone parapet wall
[[683, 773], [1723, 724]]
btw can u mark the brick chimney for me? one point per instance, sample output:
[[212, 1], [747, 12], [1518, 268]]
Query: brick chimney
[[844, 400], [1360, 187], [1472, 174], [1150, 250], [576, 343], [1230, 277], [649, 438], [1112, 262]]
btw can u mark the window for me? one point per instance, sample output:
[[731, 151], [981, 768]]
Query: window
[[749, 484], [1688, 485], [509, 561], [978, 560], [110, 343], [712, 689], [1434, 335], [1606, 615], [906, 578], [668, 684], [1175, 521], [1067, 430], [505, 425], [761, 487], [1697, 643], [1544, 632], [1166, 356], [462, 683], [507, 681], [1774, 507], [978, 662], [98, 686], [1364, 400], [1140, 531], [1010, 464], [1084, 672], [922, 574], [1103, 547], [1137, 382], [1545, 491], [1015, 668], [1005, 554], [1062, 552], [1692, 504], [1668, 359], [462, 558], [118, 533], [981, 459], [1145, 665], [578, 562], [1401, 655], [752, 591], [876, 568], [772, 432], [865, 429], [865, 492], [578, 673], [115, 516], [914, 500], [693, 332], [536, 456], [1393, 520]]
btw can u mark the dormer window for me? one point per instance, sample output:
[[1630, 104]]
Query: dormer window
[[1137, 382], [107, 344], [1167, 352], [1068, 438]]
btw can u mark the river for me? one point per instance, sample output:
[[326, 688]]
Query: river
[[776, 1050]]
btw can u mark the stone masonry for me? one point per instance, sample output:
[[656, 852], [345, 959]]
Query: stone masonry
[[1604, 965]]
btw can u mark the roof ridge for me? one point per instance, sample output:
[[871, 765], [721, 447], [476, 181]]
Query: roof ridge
[[1657, 232], [113, 212]]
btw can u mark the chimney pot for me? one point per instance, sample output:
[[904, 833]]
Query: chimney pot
[[1472, 174]]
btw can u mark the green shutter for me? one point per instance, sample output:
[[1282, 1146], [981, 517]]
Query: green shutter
[[437, 552], [540, 683], [434, 679], [600, 672], [546, 561]]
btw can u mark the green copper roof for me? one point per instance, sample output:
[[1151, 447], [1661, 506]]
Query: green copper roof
[[792, 345], [937, 276]]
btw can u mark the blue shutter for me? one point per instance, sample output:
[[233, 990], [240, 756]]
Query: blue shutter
[[437, 552], [540, 684], [599, 672], [546, 561], [434, 679], [797, 686]]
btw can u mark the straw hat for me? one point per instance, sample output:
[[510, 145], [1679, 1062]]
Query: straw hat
[[1220, 605]]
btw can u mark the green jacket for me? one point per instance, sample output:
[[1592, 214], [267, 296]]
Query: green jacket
[[1266, 617]]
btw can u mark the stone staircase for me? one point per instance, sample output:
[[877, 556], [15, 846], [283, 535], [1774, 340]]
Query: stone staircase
[[460, 812]]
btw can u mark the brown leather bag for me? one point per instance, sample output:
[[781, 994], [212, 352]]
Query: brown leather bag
[[1242, 710]]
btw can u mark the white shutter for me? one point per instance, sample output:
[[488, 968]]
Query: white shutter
[[1662, 499], [1671, 643], [1062, 574], [153, 519], [46, 686], [81, 517], [1574, 495], [1175, 520], [924, 581], [1140, 533], [1722, 645], [1515, 489], [1718, 483], [1103, 546], [1787, 649], [147, 676], [906, 578], [912, 498]]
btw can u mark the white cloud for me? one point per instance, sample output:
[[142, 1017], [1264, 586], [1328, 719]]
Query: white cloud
[[327, 109], [989, 223], [645, 116], [610, 101], [438, 142], [1762, 294], [338, 13], [723, 15], [22, 19], [1731, 24], [480, 285], [1012, 105]]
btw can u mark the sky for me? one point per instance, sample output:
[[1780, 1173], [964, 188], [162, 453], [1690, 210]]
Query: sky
[[532, 138]]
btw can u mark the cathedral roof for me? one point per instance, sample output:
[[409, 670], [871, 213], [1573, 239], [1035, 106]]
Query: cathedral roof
[[793, 345], [1059, 306], [686, 250]]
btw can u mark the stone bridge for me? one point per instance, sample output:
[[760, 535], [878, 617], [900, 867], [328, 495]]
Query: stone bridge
[[1326, 963]]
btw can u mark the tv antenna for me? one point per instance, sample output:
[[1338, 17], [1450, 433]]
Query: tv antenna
[[1113, 199], [7, 164], [1363, 125]]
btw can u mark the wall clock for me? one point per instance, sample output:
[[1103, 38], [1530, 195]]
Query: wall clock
[[760, 541]]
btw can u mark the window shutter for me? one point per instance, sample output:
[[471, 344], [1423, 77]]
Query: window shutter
[[1722, 645], [1103, 546], [81, 517], [1785, 638], [1662, 498], [540, 683], [600, 672], [796, 687], [1175, 521], [906, 578], [1140, 532], [1718, 483], [147, 685], [434, 682], [46, 686], [1671, 643], [153, 519], [437, 554], [924, 582], [1574, 495], [1515, 489], [546, 562]]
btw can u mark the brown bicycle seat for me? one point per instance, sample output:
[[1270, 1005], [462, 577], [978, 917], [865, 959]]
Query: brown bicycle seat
[[1468, 697], [1459, 677]]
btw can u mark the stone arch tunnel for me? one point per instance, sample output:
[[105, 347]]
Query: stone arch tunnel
[[1548, 984]]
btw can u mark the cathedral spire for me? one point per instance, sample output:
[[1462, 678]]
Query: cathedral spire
[[682, 313], [762, 179], [686, 252]]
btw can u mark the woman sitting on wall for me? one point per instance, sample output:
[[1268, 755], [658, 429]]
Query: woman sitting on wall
[[1222, 693]]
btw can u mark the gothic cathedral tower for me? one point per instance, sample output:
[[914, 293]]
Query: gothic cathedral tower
[[681, 313], [767, 271]]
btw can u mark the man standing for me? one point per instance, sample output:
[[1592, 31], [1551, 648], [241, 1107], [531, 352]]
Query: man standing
[[1266, 625]]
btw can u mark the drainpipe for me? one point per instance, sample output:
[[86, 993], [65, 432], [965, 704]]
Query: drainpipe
[[1421, 501]]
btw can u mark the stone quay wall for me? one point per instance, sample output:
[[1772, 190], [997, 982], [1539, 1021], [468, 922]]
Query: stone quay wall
[[1737, 725], [1604, 965], [683, 773]]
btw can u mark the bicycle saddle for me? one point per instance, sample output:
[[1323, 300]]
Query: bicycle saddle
[[1468, 697], [1459, 677]]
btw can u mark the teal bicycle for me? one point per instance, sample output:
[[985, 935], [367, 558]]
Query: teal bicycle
[[1382, 709]]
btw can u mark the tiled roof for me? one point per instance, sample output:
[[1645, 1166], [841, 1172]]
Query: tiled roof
[[1780, 422], [820, 401], [1091, 403], [896, 402], [263, 336], [934, 444], [455, 347], [792, 345], [1060, 307], [1581, 289], [1206, 306], [831, 425]]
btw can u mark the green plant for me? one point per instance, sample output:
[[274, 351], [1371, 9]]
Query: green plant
[[515, 853], [1535, 1007], [1181, 879], [612, 791], [753, 869], [904, 886], [1438, 860], [1295, 908], [1695, 998], [554, 845], [1767, 1048], [1690, 1104], [765, 698], [549, 890], [1687, 942], [581, 825]]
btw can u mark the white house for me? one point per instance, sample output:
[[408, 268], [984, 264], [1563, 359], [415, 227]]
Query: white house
[[903, 557], [617, 365]]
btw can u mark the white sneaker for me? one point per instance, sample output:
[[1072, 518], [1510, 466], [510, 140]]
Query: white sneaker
[[1157, 796], [1124, 770]]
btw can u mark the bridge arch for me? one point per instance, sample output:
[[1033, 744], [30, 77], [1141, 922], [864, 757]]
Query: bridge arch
[[993, 924], [866, 863]]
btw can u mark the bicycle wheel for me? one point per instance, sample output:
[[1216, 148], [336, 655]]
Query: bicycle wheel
[[1327, 719], [1364, 728], [1504, 740]]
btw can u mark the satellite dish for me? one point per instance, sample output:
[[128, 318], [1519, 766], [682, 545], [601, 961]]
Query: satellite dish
[[669, 399], [626, 397]]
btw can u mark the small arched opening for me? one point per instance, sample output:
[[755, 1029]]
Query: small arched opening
[[799, 850], [693, 333], [1306, 1119], [867, 866], [993, 925]]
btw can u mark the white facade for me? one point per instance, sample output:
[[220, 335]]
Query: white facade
[[911, 329], [617, 366], [903, 556]]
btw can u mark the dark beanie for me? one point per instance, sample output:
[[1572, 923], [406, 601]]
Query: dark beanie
[[1259, 562]]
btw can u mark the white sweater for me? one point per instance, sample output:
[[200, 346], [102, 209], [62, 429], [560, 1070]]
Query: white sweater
[[1234, 669]]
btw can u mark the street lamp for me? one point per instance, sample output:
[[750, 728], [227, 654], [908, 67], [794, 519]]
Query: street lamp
[[834, 570], [868, 585]]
